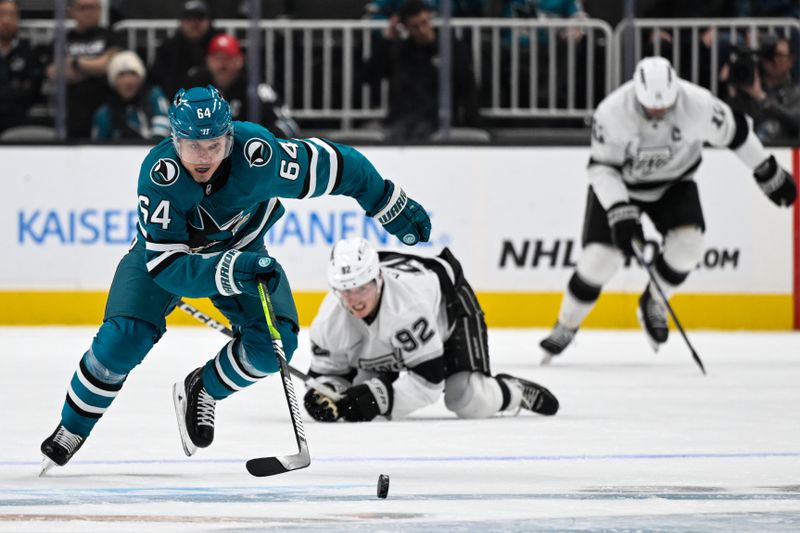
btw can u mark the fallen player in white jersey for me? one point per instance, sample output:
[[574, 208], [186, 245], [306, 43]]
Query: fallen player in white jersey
[[396, 332], [647, 142]]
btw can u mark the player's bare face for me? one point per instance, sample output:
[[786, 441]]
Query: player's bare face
[[656, 113], [202, 157], [361, 301]]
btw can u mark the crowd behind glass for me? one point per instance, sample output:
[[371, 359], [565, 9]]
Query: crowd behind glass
[[113, 96]]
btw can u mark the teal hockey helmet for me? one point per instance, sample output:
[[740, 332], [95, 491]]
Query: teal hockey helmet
[[201, 124]]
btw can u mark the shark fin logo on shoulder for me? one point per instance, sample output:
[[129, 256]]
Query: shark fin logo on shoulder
[[165, 172], [258, 152]]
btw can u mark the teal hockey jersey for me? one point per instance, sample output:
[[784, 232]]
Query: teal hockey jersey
[[187, 227]]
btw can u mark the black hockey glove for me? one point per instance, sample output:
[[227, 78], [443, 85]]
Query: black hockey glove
[[776, 183], [401, 216], [623, 219], [320, 407], [364, 402], [248, 269]]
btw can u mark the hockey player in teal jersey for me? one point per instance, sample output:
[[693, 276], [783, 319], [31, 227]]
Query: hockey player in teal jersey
[[207, 196]]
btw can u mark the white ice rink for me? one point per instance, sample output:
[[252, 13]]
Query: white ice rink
[[643, 442]]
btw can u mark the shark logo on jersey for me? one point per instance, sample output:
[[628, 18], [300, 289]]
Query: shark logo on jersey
[[165, 172], [258, 152], [205, 231]]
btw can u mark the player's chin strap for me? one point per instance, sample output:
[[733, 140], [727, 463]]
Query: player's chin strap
[[638, 252], [310, 382]]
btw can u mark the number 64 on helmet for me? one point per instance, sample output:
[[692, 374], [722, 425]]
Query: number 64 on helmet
[[201, 124]]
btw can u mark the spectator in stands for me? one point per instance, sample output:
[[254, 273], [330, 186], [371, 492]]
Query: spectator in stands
[[20, 71], [543, 9], [89, 51], [777, 9], [764, 90], [767, 8], [663, 40], [225, 70], [412, 68], [180, 56], [134, 110], [388, 9], [564, 38]]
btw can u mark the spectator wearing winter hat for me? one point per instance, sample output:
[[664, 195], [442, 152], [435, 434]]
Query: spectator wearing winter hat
[[225, 70], [183, 54], [134, 110]]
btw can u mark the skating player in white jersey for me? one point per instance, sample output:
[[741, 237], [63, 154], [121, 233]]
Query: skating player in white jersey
[[647, 142], [396, 332]]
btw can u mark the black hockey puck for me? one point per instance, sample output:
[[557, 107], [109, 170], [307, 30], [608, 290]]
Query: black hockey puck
[[383, 486]]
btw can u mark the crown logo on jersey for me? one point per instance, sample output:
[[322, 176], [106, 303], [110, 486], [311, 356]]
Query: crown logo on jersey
[[165, 172], [258, 152]]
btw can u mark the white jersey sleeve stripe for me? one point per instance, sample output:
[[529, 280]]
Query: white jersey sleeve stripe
[[312, 169], [168, 247], [332, 167], [153, 263]]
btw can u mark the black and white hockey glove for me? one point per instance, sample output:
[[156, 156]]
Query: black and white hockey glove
[[623, 219], [320, 407], [776, 183], [364, 402]]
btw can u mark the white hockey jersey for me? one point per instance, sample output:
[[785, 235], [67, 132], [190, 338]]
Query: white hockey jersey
[[410, 328], [633, 157]]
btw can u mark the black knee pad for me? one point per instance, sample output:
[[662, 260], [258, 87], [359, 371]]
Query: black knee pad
[[668, 274], [582, 290]]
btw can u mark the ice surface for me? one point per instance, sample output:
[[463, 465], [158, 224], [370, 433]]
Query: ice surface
[[643, 442]]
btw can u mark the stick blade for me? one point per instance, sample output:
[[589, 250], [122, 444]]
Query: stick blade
[[270, 466], [698, 361]]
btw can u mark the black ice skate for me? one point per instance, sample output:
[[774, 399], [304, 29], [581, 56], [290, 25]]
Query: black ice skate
[[555, 343], [534, 397], [194, 408], [59, 448], [652, 316]]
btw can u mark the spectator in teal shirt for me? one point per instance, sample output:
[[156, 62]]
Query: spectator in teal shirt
[[134, 110], [545, 9]]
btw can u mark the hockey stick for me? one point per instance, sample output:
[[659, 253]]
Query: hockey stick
[[269, 466], [210, 322], [639, 254]]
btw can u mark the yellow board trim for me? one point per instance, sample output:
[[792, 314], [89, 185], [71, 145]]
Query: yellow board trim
[[503, 309]]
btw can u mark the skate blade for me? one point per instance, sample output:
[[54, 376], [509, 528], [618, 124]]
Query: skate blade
[[654, 344], [47, 464], [178, 398]]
